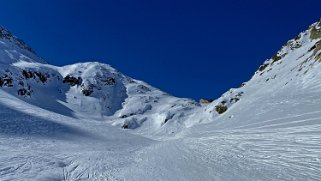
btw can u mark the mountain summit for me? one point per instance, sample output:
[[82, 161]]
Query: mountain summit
[[87, 121]]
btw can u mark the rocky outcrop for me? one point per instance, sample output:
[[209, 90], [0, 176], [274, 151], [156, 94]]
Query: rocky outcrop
[[205, 101], [72, 80], [6, 81], [108, 81], [315, 31], [221, 108], [228, 100], [87, 90], [25, 92], [27, 74], [42, 77]]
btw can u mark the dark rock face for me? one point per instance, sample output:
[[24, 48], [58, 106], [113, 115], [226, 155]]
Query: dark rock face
[[227, 102], [72, 80], [262, 67], [87, 87], [276, 58], [236, 97], [125, 126], [43, 77], [315, 31], [220, 108], [108, 81], [133, 123], [126, 116], [87, 90], [142, 89], [23, 81], [6, 82], [27, 74], [25, 92]]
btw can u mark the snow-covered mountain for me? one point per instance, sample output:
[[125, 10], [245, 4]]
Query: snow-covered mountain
[[88, 121], [85, 90]]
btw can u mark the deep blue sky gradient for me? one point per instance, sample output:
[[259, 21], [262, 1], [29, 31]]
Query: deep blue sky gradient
[[187, 48]]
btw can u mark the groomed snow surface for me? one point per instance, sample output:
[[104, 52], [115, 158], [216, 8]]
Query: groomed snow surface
[[41, 145], [103, 125]]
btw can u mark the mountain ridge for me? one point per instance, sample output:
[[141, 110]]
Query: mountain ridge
[[5, 34], [88, 81], [87, 121]]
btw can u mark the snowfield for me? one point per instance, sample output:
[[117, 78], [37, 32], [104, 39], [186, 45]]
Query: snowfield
[[90, 122]]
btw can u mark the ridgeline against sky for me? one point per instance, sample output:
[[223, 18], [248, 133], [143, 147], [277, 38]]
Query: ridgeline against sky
[[187, 48]]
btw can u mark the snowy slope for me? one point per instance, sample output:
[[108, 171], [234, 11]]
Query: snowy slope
[[13, 49], [292, 73], [97, 91], [86, 90], [88, 121]]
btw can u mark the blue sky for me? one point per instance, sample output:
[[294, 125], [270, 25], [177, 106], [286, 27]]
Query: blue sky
[[187, 48]]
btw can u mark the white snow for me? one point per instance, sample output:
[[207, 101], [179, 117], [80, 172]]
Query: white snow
[[270, 131]]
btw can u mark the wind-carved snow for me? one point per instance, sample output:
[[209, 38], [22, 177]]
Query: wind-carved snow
[[88, 121]]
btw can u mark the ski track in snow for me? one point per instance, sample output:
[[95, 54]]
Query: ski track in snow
[[37, 144], [245, 153]]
